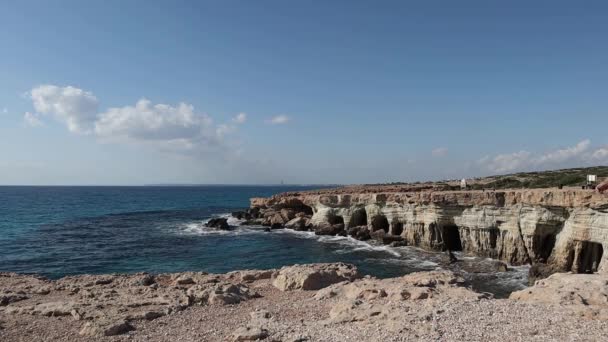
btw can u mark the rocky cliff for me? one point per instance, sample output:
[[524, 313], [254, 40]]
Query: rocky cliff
[[566, 229]]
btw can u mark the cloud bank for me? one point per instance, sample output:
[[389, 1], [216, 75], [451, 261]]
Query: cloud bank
[[178, 128], [580, 154]]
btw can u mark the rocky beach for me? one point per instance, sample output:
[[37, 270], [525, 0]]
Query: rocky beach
[[316, 302]]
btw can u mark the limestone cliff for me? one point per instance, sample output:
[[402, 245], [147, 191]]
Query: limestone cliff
[[568, 229]]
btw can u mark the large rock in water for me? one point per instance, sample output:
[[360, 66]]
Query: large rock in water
[[313, 276], [330, 229], [218, 223]]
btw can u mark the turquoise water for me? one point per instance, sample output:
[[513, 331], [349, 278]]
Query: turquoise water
[[57, 231]]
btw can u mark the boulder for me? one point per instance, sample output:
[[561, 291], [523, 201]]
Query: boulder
[[313, 276], [218, 223], [241, 215], [298, 223], [330, 229], [360, 233]]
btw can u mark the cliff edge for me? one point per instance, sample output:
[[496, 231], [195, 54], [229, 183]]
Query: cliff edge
[[564, 229]]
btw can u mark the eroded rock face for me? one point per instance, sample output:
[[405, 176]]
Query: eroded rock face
[[567, 229], [313, 276]]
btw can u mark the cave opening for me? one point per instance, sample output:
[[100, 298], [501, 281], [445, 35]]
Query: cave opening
[[359, 218], [543, 247], [590, 257], [306, 209], [493, 237], [397, 227], [335, 219], [451, 238], [380, 222]]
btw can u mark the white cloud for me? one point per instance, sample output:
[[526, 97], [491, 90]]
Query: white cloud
[[574, 156], [31, 119], [75, 107], [165, 127], [439, 152], [601, 154], [279, 120], [4, 110], [240, 118], [565, 154], [170, 128], [506, 162]]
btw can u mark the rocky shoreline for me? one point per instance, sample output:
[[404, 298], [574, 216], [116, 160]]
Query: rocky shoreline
[[555, 230], [315, 302]]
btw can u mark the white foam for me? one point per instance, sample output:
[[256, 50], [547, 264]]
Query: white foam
[[200, 229], [355, 244]]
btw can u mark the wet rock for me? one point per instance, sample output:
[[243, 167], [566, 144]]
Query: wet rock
[[218, 223], [298, 223], [330, 229], [389, 239], [241, 215], [398, 244], [360, 233], [276, 226], [313, 276]]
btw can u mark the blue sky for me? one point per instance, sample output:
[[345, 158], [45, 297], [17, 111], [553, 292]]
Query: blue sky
[[305, 92]]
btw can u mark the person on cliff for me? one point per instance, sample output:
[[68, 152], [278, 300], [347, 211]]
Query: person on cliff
[[452, 257]]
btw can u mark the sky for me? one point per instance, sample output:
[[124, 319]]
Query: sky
[[258, 92]]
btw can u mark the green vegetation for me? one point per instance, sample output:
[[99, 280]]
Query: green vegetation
[[545, 179]]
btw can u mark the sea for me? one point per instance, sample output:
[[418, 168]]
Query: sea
[[56, 231]]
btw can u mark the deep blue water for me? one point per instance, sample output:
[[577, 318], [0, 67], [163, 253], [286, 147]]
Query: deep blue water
[[57, 231]]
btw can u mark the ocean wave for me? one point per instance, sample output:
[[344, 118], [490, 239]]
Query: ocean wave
[[353, 244]]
